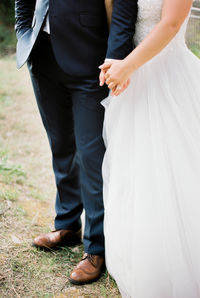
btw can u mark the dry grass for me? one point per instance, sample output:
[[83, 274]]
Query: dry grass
[[27, 201]]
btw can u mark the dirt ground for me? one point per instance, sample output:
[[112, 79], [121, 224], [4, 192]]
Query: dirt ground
[[27, 192]]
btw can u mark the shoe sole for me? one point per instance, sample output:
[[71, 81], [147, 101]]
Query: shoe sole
[[46, 248], [81, 283]]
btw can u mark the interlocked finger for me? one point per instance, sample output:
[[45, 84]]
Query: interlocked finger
[[111, 85], [108, 81], [107, 76], [119, 88]]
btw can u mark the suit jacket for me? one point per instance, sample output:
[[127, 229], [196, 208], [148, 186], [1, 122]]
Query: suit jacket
[[79, 31]]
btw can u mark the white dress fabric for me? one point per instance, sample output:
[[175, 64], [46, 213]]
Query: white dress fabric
[[151, 172]]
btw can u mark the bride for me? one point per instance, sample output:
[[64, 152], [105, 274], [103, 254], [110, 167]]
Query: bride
[[151, 169]]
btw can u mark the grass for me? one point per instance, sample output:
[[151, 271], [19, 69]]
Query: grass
[[36, 194], [9, 195], [10, 173], [28, 272]]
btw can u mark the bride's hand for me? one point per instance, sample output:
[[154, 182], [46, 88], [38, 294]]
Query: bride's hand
[[117, 75]]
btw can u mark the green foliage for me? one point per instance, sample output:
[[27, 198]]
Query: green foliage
[[7, 21], [7, 11], [196, 51], [7, 40]]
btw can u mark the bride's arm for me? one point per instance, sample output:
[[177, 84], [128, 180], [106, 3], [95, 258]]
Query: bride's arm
[[174, 13], [109, 8]]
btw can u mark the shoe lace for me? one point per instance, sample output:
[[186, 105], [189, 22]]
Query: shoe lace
[[90, 259]]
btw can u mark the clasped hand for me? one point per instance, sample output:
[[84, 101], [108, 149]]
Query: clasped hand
[[116, 75]]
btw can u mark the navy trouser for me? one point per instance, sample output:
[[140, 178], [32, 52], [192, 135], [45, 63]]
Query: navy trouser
[[73, 118]]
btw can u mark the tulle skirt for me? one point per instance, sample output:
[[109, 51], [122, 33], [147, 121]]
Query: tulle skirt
[[151, 173]]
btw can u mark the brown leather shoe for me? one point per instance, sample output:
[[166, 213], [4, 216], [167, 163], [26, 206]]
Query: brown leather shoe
[[58, 238], [88, 270]]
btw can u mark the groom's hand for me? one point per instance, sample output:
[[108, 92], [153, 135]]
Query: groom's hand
[[102, 74], [102, 77]]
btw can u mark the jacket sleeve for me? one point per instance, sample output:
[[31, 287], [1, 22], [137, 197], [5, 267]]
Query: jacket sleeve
[[124, 17], [24, 10]]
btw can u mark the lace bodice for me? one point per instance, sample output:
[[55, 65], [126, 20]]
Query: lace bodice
[[149, 14]]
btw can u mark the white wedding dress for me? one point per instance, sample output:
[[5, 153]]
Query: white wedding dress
[[151, 172]]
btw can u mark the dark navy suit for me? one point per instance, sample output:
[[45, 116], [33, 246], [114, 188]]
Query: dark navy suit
[[64, 72]]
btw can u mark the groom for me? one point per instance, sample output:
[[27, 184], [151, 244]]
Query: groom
[[63, 43]]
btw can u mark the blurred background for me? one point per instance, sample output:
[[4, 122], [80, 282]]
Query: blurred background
[[7, 35], [193, 31]]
